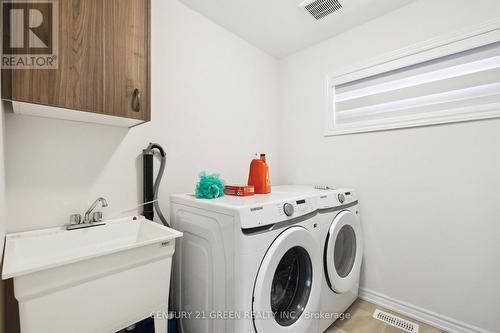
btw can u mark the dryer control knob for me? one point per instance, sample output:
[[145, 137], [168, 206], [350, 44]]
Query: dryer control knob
[[288, 209], [341, 198]]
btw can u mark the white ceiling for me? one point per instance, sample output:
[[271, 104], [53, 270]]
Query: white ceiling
[[280, 27]]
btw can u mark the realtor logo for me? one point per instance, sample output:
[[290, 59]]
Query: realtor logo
[[29, 34]]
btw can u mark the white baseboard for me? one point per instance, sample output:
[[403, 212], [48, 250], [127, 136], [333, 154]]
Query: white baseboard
[[432, 318]]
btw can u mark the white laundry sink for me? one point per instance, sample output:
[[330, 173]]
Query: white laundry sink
[[93, 280]]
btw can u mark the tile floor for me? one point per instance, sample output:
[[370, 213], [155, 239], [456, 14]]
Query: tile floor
[[361, 321]]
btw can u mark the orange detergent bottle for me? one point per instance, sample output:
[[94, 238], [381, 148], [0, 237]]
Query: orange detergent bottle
[[259, 175]]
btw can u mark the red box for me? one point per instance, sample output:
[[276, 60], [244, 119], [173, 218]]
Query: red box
[[239, 190]]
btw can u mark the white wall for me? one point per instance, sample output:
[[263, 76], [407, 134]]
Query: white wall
[[214, 104], [429, 195]]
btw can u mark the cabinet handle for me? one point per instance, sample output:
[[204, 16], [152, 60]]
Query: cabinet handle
[[136, 100]]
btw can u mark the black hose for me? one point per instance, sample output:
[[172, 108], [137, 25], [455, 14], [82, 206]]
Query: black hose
[[148, 187], [156, 187]]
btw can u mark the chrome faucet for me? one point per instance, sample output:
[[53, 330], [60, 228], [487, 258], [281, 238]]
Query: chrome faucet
[[76, 219], [87, 219]]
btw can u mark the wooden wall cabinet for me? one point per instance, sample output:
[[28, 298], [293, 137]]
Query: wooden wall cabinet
[[103, 72]]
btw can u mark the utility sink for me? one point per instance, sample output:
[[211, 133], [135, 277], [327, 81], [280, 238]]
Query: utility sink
[[94, 280]]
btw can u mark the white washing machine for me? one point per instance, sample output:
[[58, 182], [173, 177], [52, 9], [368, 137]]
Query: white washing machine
[[248, 265], [341, 241], [342, 250]]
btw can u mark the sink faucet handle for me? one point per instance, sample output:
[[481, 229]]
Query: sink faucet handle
[[97, 217], [75, 219], [101, 200]]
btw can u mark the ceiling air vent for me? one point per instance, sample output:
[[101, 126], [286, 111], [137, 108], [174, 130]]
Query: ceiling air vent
[[321, 8]]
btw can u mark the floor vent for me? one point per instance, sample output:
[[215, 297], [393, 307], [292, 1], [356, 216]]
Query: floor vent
[[321, 8], [395, 321]]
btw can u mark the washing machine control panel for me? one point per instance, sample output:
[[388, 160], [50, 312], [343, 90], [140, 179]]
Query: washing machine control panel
[[336, 198], [271, 213], [288, 209], [267, 213], [295, 208]]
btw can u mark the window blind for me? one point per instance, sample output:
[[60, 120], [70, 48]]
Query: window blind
[[464, 82]]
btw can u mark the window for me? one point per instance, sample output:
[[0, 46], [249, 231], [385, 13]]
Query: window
[[455, 86]]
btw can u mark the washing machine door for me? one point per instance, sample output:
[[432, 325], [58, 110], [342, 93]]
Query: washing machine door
[[288, 284], [343, 252]]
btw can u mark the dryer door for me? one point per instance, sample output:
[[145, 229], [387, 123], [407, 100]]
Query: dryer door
[[343, 252], [288, 283]]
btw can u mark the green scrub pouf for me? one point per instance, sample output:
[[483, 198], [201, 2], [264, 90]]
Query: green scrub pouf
[[210, 186]]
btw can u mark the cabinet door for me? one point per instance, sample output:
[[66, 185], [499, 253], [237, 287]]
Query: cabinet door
[[126, 58], [77, 83]]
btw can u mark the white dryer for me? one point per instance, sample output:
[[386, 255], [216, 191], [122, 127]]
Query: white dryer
[[247, 265], [342, 250], [341, 241]]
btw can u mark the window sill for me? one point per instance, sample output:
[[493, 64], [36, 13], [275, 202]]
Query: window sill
[[490, 111]]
